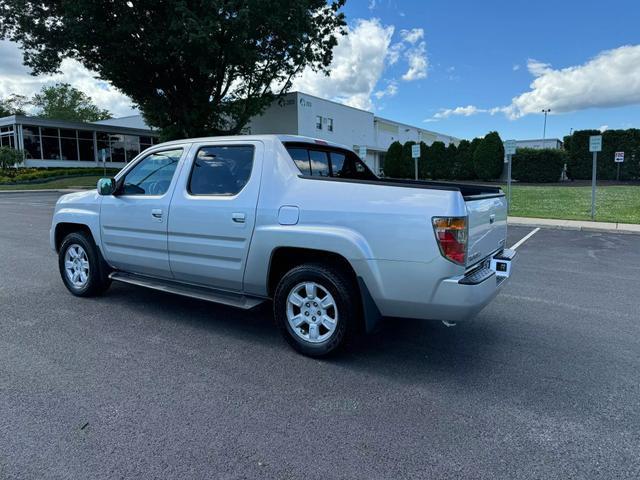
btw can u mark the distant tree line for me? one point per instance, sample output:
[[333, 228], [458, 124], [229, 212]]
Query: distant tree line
[[481, 158], [60, 101]]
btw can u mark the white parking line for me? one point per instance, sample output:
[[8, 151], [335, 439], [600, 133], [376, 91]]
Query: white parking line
[[525, 238]]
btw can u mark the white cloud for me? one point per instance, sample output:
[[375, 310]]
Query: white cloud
[[412, 36], [16, 78], [603, 128], [358, 63], [418, 62], [536, 68], [467, 111], [611, 79], [390, 91]]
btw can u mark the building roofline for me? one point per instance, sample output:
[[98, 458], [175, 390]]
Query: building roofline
[[388, 120], [47, 122], [540, 140], [297, 92]]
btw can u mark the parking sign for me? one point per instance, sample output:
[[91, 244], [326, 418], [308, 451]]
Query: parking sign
[[415, 151], [595, 143], [510, 147], [619, 158]]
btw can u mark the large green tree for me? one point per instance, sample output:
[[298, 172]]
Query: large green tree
[[463, 161], [437, 159], [64, 102], [13, 105], [194, 67], [488, 157]]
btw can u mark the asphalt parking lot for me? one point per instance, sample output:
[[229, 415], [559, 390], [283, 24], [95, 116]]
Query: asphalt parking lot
[[139, 384]]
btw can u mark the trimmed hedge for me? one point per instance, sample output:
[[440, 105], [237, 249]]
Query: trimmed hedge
[[27, 175], [538, 166], [580, 159]]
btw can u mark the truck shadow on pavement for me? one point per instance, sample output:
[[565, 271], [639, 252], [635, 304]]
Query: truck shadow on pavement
[[404, 346]]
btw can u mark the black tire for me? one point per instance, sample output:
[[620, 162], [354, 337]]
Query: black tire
[[347, 301], [98, 279]]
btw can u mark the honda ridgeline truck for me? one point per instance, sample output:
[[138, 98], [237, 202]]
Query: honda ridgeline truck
[[303, 222]]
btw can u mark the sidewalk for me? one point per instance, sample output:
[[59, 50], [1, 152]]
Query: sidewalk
[[575, 225]]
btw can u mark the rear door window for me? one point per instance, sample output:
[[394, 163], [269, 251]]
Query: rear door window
[[221, 170]]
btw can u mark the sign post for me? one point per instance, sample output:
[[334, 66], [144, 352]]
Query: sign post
[[510, 150], [618, 158], [415, 154], [595, 146]]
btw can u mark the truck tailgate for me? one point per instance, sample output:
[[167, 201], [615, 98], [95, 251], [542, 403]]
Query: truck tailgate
[[487, 226]]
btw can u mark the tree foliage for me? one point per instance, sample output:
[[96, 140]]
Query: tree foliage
[[13, 105], [10, 157], [579, 164], [393, 163], [538, 165], [463, 162], [193, 67], [488, 157], [438, 161], [64, 102]]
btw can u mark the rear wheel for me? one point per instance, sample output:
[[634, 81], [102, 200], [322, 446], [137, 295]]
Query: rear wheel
[[82, 268], [316, 308]]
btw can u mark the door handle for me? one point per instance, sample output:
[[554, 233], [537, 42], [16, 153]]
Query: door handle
[[156, 213], [238, 217]]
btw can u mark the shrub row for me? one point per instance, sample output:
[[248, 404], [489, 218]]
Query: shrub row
[[480, 158], [26, 175], [538, 166], [580, 160]]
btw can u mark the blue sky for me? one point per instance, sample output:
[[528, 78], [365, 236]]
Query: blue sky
[[478, 54], [458, 67]]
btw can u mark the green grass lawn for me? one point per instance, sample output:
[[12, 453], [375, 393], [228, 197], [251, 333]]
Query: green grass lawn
[[71, 182], [614, 203]]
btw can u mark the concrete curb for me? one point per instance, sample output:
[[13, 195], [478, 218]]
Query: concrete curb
[[608, 227], [45, 190]]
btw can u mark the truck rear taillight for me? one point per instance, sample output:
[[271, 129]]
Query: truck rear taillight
[[451, 234]]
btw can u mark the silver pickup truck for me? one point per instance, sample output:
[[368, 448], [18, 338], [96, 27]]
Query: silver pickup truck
[[303, 222]]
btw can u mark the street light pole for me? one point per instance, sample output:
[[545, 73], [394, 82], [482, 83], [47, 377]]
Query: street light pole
[[544, 130]]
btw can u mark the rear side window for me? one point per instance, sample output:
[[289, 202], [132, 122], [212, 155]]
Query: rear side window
[[330, 163], [221, 170]]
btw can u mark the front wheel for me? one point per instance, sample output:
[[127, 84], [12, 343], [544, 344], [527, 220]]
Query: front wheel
[[316, 308], [82, 268]]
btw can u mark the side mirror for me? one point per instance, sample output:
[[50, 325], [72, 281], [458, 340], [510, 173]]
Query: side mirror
[[106, 186]]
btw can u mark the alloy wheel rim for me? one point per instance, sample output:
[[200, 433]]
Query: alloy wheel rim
[[76, 266], [312, 312]]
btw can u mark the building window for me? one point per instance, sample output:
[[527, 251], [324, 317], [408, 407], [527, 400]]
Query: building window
[[330, 124], [69, 144], [131, 146], [116, 142], [31, 139], [50, 144], [318, 122], [85, 146]]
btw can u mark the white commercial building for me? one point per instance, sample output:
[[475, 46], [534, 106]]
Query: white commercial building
[[303, 114], [57, 143], [539, 144]]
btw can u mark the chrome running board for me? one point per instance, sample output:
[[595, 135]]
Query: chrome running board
[[187, 290]]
